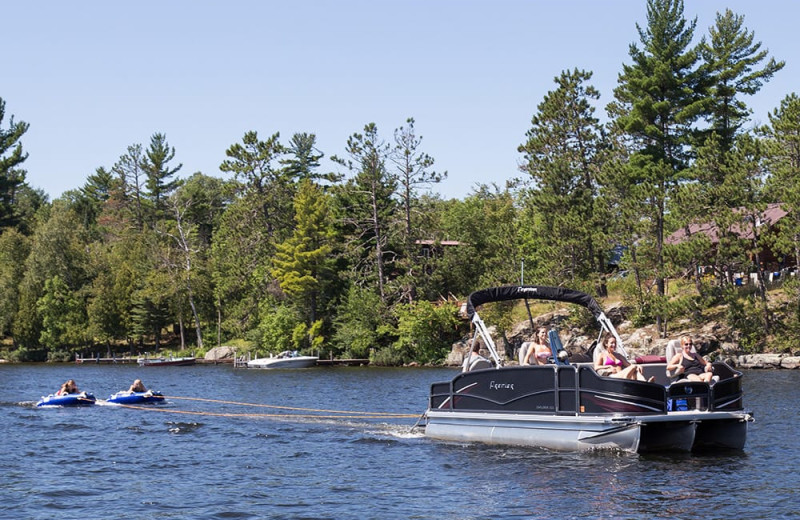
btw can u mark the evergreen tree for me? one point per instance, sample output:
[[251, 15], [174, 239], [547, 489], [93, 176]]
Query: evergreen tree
[[657, 101], [414, 172], [731, 60], [562, 156], [413, 168], [301, 262], [302, 160], [269, 187], [128, 194], [155, 165], [782, 142], [368, 207], [14, 250], [12, 178]]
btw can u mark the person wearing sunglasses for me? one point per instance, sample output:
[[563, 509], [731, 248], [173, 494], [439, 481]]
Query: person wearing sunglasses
[[689, 364]]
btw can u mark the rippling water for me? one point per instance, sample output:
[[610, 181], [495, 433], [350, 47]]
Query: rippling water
[[226, 460]]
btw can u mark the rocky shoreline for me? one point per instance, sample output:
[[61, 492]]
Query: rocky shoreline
[[713, 340]]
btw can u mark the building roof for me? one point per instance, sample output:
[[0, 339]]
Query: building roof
[[768, 217]]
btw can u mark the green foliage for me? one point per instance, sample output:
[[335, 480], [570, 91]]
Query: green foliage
[[302, 260], [358, 326], [12, 177], [731, 59], [562, 156], [744, 316], [282, 260], [367, 207], [387, 357], [155, 165], [277, 327], [426, 331], [14, 250], [63, 316]]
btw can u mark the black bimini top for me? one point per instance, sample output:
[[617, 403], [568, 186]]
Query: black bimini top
[[531, 292]]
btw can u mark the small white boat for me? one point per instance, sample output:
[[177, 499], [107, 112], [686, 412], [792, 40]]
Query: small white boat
[[286, 359]]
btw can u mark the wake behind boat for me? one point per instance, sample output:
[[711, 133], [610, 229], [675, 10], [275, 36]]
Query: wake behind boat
[[571, 407], [286, 359]]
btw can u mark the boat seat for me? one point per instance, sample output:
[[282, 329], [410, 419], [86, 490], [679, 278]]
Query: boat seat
[[673, 348], [480, 364], [523, 351]]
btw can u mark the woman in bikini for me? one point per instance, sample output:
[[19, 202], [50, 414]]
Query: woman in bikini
[[539, 351], [611, 364]]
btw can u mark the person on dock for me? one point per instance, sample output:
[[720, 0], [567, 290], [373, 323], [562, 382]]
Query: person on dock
[[137, 386], [69, 387]]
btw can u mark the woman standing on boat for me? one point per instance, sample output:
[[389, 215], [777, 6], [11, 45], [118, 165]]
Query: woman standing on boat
[[612, 364], [538, 349], [690, 365]]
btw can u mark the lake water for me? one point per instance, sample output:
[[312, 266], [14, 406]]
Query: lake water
[[225, 459]]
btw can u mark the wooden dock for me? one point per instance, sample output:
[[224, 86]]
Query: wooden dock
[[106, 360], [342, 362]]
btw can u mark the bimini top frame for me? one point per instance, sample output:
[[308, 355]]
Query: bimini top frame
[[533, 292]]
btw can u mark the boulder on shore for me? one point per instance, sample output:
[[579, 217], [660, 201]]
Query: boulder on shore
[[220, 353]]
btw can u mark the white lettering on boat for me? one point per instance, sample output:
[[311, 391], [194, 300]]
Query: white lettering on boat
[[501, 386]]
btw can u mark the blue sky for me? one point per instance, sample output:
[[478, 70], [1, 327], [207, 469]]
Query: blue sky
[[93, 77]]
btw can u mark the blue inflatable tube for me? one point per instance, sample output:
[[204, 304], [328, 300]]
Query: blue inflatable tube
[[81, 399], [126, 397]]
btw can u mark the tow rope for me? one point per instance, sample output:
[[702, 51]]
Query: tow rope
[[314, 413]]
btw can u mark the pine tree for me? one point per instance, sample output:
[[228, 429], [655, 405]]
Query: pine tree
[[155, 165], [731, 60], [301, 262], [12, 178], [368, 205], [562, 156], [657, 101]]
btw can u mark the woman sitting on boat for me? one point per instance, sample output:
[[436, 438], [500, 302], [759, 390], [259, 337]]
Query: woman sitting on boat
[[690, 365], [538, 350], [69, 387], [611, 364], [137, 386]]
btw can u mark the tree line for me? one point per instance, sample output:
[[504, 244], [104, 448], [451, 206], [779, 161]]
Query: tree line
[[369, 261]]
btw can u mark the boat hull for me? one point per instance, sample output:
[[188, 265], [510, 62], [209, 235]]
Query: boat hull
[[291, 362], [82, 399], [572, 408], [136, 397], [556, 433], [674, 432]]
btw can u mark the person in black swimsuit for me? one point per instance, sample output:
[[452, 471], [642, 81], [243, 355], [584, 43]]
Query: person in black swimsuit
[[690, 365]]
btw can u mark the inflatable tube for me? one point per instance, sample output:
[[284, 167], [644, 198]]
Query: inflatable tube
[[81, 399], [126, 397]]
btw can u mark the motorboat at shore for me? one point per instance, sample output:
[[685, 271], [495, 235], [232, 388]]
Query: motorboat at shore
[[569, 406], [166, 362], [286, 359], [79, 399], [126, 397]]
